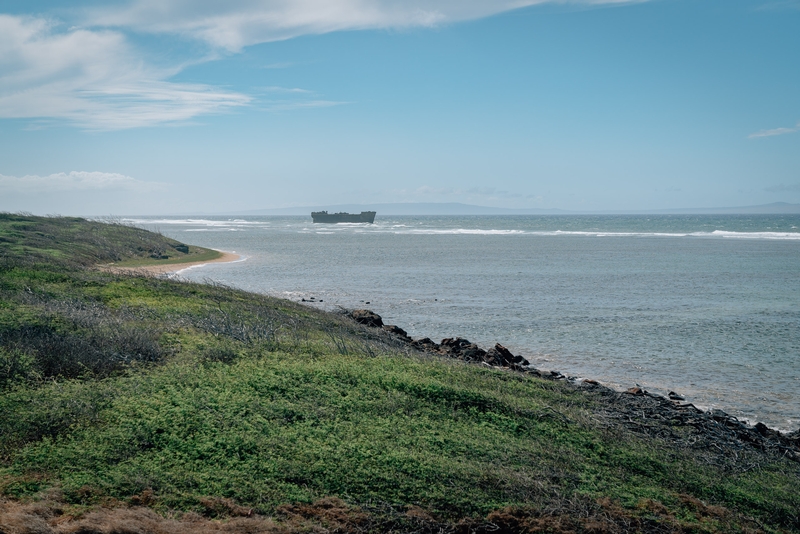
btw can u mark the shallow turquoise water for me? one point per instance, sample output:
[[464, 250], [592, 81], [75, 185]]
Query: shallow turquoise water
[[708, 306]]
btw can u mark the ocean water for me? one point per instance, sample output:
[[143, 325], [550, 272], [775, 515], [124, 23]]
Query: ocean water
[[707, 306]]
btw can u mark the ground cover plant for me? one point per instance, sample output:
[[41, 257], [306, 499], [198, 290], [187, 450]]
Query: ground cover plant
[[137, 400], [75, 241]]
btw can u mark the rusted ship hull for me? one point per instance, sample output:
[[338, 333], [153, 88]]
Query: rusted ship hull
[[333, 218]]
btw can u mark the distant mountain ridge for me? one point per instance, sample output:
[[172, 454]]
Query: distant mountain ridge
[[775, 208], [405, 208], [457, 208]]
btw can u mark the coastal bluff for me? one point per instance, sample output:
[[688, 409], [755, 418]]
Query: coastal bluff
[[639, 410], [136, 402]]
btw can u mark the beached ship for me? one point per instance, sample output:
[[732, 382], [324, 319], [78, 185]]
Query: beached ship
[[325, 217]]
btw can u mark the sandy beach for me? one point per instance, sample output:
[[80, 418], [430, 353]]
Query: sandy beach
[[171, 267]]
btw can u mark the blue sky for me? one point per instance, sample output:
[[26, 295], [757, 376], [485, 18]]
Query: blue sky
[[178, 106]]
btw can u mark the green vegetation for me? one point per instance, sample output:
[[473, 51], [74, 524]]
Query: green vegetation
[[77, 242], [113, 387]]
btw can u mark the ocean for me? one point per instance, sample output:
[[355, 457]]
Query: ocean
[[707, 306]]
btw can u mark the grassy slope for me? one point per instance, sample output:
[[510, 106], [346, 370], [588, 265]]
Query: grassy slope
[[80, 242], [111, 386]]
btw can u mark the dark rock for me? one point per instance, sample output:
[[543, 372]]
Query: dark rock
[[462, 349], [396, 330], [425, 343], [501, 356], [719, 416], [689, 406], [494, 358], [674, 396], [367, 317], [472, 353], [763, 429], [453, 344]]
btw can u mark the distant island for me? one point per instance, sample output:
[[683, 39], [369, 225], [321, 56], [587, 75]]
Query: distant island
[[457, 208]]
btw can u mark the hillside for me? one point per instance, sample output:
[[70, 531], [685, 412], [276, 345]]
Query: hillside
[[131, 403]]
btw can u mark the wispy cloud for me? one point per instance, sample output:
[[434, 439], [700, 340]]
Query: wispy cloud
[[235, 25], [773, 132], [92, 78], [288, 105], [90, 74], [783, 188], [277, 98], [296, 90], [76, 181]]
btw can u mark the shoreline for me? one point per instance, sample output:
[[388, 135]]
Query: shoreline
[[422, 342], [426, 345], [172, 268], [637, 409]]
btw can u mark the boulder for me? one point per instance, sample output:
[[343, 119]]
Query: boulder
[[425, 343], [396, 330], [462, 349], [765, 431], [472, 353], [367, 318], [499, 355], [719, 415]]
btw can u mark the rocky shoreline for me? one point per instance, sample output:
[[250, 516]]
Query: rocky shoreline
[[726, 439]]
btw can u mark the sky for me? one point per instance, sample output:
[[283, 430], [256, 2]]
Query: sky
[[146, 107]]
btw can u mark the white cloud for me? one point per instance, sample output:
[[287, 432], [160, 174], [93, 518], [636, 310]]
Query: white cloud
[[276, 89], [75, 181], [234, 25], [91, 75], [774, 132], [92, 78]]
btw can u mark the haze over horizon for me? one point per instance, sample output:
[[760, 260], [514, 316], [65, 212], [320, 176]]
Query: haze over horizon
[[146, 107]]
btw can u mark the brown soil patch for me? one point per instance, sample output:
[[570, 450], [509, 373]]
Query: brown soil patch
[[332, 515]]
